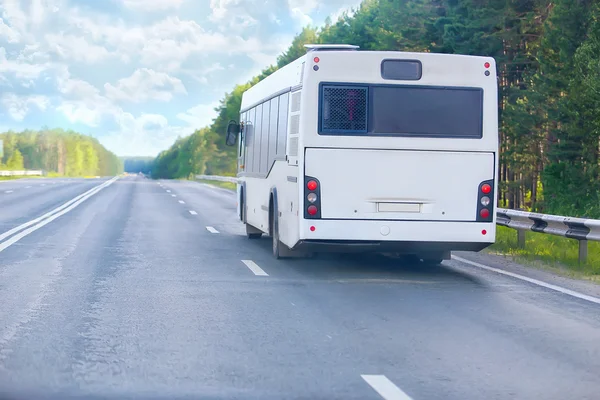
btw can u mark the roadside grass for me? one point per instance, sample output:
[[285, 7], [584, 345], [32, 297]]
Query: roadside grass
[[225, 185], [12, 178], [549, 252]]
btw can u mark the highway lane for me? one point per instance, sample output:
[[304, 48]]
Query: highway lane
[[25, 199], [131, 293]]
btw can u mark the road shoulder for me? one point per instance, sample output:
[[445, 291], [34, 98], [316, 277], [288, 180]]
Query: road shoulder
[[505, 263]]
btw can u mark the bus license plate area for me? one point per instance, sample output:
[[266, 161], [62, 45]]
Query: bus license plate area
[[399, 207]]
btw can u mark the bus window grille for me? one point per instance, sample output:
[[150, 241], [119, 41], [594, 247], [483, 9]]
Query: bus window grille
[[344, 109]]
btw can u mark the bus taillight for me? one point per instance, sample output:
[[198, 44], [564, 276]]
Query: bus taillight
[[312, 198], [485, 202]]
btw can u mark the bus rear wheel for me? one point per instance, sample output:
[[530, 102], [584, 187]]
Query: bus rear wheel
[[280, 250]]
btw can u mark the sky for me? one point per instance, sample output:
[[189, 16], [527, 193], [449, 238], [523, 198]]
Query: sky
[[136, 74]]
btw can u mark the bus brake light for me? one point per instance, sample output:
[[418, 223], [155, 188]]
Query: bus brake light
[[312, 210], [486, 189], [484, 213], [311, 185]]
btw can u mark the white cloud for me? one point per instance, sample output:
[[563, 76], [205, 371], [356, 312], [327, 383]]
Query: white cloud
[[143, 85], [16, 18], [152, 5], [200, 115], [75, 48], [18, 106], [300, 10], [201, 75], [147, 134], [83, 102], [21, 70], [11, 34]]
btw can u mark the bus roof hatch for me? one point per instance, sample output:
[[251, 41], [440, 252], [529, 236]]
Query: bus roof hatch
[[326, 47]]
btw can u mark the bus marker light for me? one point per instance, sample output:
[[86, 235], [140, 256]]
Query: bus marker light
[[311, 185], [316, 59], [316, 67], [312, 228], [487, 65], [486, 189], [312, 210], [484, 232], [484, 213]]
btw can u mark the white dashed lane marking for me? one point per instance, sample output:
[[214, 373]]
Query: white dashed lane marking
[[254, 268], [386, 388]]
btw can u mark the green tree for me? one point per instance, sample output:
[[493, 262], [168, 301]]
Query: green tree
[[15, 162]]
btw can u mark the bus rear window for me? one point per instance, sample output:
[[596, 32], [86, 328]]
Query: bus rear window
[[399, 110], [426, 111]]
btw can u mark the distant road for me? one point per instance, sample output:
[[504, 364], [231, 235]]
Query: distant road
[[149, 288]]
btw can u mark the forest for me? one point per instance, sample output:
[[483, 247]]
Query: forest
[[138, 164], [57, 152], [548, 60]]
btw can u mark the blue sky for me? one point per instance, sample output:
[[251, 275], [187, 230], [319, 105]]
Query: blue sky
[[138, 73]]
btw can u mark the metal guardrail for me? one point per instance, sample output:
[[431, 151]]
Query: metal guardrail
[[580, 229], [22, 173], [229, 179]]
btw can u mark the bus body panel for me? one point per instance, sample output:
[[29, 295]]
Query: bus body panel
[[410, 232], [399, 184], [284, 180], [364, 68]]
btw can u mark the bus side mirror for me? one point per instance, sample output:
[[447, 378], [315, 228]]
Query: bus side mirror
[[232, 131]]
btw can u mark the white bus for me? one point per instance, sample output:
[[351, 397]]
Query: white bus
[[390, 152]]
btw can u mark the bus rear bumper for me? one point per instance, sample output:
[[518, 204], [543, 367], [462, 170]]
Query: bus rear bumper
[[395, 236]]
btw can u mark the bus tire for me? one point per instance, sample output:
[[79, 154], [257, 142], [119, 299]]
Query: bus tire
[[280, 250], [433, 259]]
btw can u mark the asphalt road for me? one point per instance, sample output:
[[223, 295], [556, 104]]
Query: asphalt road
[[151, 291]]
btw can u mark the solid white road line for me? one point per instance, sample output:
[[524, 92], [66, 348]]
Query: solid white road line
[[9, 191], [531, 280], [385, 387], [255, 268], [193, 212], [52, 216], [181, 202], [211, 229], [48, 214]]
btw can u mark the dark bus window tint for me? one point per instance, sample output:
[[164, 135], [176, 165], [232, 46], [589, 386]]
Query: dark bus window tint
[[427, 111], [408, 70]]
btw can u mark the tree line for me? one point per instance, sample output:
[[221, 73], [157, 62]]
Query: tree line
[[57, 151], [548, 60]]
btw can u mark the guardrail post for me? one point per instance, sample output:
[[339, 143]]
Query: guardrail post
[[583, 251], [521, 238]]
